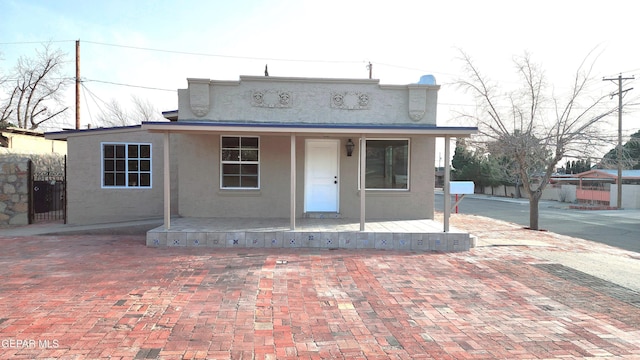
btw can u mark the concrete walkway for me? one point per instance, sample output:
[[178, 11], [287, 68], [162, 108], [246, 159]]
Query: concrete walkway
[[518, 295]]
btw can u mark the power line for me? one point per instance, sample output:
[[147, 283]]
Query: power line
[[34, 42], [228, 56], [218, 55], [107, 82], [629, 71], [128, 85], [87, 103], [185, 52], [223, 56], [414, 69]]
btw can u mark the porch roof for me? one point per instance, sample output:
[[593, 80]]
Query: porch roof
[[304, 128]]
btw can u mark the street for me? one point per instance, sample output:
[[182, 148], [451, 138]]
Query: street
[[619, 228]]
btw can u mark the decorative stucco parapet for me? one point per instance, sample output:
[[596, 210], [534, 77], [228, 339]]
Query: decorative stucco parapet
[[306, 80], [307, 101]]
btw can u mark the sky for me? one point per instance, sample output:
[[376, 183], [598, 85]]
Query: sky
[[149, 48]]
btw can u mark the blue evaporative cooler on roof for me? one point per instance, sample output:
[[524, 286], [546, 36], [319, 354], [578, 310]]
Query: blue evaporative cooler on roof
[[427, 80]]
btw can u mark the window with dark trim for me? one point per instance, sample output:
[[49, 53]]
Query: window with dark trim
[[240, 162], [387, 164], [126, 165]]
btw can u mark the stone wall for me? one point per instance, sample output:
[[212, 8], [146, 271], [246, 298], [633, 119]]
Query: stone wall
[[14, 182]]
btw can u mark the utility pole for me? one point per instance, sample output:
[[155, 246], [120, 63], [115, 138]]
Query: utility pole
[[620, 92], [77, 84]]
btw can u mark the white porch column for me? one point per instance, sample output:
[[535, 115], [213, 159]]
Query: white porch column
[[446, 187], [292, 195], [363, 173], [167, 183]]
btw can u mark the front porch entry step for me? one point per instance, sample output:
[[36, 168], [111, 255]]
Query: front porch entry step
[[322, 215]]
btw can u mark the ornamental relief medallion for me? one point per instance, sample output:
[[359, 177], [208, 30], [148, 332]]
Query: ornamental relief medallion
[[416, 115], [271, 98], [199, 98], [350, 100]]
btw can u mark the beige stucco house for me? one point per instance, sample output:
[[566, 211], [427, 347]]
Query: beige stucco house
[[23, 141], [266, 148], [100, 174]]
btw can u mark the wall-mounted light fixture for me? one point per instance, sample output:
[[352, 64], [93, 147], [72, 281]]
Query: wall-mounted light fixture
[[350, 146]]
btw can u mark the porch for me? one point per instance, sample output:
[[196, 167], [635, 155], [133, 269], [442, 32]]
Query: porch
[[328, 233]]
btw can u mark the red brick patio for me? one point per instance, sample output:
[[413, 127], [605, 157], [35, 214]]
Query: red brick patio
[[112, 297]]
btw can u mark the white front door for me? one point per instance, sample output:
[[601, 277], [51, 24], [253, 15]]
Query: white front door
[[321, 178]]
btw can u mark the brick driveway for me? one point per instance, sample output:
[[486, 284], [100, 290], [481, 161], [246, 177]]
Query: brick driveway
[[110, 297]]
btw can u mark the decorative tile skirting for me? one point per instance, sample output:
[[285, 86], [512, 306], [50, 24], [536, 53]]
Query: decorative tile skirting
[[411, 235]]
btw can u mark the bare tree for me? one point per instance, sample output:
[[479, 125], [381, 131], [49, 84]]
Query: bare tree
[[5, 111], [144, 110], [113, 115], [532, 128], [116, 115], [35, 90]]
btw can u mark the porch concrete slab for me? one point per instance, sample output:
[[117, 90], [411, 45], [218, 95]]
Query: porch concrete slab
[[303, 225], [112, 297], [314, 232]]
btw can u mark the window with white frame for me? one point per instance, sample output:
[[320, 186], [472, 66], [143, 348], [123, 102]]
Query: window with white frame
[[387, 164], [126, 165], [240, 162]]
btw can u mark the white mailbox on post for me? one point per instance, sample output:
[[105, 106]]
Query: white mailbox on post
[[461, 187]]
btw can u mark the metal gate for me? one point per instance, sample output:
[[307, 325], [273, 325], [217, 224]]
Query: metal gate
[[48, 195]]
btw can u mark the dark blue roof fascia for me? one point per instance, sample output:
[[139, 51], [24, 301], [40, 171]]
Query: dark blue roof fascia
[[311, 126], [76, 131]]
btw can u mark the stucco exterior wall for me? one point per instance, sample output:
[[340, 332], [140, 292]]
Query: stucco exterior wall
[[416, 203], [200, 194], [89, 203], [307, 101], [199, 189], [29, 144]]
